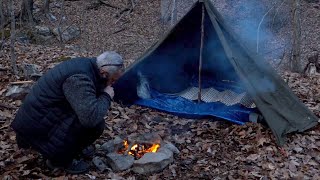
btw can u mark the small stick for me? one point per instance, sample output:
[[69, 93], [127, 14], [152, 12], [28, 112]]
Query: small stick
[[20, 82]]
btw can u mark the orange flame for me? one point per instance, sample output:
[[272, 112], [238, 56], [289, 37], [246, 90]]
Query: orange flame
[[138, 150]]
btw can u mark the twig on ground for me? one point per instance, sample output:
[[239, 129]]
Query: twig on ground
[[117, 31], [107, 4], [128, 9], [21, 82]]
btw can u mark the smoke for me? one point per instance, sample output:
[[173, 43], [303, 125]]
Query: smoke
[[257, 23], [143, 88]]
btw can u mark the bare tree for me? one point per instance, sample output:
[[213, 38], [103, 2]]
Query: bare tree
[[169, 11], [295, 63], [12, 39], [2, 24], [173, 12], [46, 7], [26, 11], [62, 18]]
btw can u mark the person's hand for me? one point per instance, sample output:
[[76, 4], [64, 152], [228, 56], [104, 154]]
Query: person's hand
[[109, 90]]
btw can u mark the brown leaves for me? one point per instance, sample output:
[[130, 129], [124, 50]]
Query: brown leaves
[[306, 88], [253, 157]]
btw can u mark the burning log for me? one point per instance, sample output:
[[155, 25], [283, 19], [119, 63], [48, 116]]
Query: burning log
[[137, 146]]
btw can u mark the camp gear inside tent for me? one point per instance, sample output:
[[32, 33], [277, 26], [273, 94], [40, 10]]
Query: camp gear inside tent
[[235, 83]]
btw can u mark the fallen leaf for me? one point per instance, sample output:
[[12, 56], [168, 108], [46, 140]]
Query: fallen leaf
[[261, 141], [25, 173], [173, 171], [292, 168], [253, 157]]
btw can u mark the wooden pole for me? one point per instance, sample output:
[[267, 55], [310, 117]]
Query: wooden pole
[[201, 50]]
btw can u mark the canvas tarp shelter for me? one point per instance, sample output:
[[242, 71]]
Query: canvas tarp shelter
[[171, 65]]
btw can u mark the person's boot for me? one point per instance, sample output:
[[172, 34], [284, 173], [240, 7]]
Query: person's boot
[[75, 167], [88, 152]]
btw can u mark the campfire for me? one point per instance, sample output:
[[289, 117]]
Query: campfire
[[138, 150], [142, 153]]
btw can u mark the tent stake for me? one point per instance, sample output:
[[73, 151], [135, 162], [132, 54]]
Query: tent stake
[[201, 49]]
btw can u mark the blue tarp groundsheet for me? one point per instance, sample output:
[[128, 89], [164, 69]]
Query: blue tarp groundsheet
[[190, 109]]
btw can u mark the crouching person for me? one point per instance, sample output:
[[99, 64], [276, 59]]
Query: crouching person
[[64, 112]]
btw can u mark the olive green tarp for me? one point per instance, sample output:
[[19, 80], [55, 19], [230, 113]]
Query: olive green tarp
[[279, 106]]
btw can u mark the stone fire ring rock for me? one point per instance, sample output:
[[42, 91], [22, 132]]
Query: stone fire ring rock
[[119, 162], [153, 162]]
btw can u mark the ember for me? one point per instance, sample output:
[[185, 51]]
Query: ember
[[138, 150]]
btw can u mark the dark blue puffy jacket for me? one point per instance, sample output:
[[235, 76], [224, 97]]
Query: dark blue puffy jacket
[[45, 114]]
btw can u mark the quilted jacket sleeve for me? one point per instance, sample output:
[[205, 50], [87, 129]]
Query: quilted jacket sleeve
[[81, 93]]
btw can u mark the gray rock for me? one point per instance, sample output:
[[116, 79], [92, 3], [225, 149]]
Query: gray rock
[[108, 147], [119, 162], [112, 145], [40, 39], [42, 30], [153, 162], [97, 161], [31, 71], [117, 141], [171, 147], [18, 92], [67, 33], [23, 38]]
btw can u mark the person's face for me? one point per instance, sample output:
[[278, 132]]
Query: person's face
[[112, 75], [104, 73], [115, 76]]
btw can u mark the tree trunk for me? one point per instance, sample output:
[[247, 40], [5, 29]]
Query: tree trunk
[[173, 12], [2, 24], [26, 11], [12, 39], [46, 7], [165, 9], [295, 63]]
